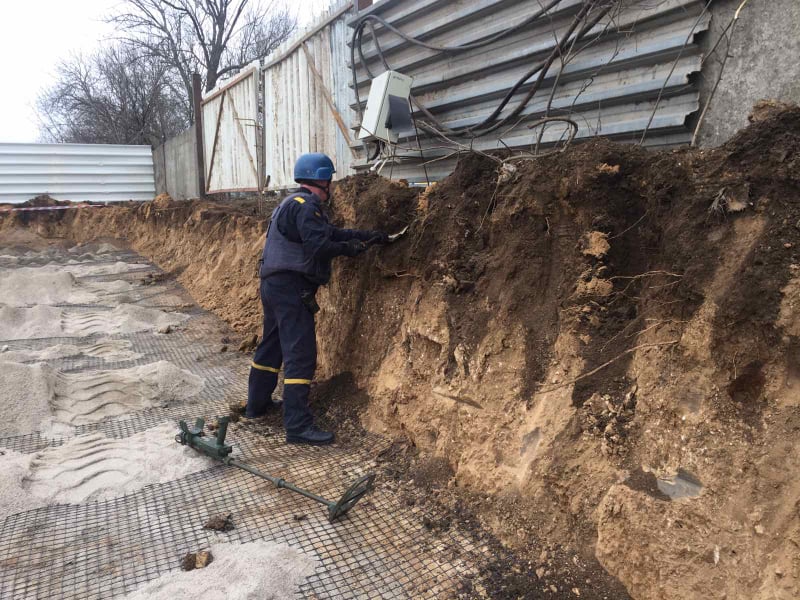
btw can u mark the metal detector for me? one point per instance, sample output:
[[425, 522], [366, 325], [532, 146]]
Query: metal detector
[[217, 449]]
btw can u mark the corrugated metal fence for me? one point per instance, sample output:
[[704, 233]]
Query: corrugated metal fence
[[630, 73], [307, 98], [78, 172]]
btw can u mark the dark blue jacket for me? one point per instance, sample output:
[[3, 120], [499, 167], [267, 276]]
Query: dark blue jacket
[[300, 239]]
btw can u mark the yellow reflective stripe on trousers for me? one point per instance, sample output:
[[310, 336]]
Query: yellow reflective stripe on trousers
[[297, 381], [263, 368]]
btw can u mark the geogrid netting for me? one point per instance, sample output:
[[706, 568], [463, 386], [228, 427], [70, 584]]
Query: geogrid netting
[[381, 549]]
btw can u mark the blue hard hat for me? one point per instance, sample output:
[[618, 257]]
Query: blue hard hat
[[314, 165]]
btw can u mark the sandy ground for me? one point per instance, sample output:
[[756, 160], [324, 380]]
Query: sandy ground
[[259, 570], [51, 321], [50, 397], [106, 348], [95, 467], [36, 396]]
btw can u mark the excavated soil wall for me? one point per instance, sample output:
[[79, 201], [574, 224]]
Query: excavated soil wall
[[600, 346]]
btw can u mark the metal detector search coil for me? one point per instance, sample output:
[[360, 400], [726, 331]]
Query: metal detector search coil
[[217, 449]]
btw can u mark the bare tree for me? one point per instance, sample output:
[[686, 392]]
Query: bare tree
[[115, 96], [211, 37]]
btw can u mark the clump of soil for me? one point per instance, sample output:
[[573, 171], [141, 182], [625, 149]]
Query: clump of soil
[[196, 560], [219, 523]]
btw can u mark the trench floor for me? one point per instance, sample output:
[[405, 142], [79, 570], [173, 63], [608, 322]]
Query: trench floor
[[105, 549]]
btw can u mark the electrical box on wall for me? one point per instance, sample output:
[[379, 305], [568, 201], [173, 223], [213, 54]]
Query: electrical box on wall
[[387, 112]]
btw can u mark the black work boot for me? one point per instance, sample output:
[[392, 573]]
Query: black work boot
[[312, 436]]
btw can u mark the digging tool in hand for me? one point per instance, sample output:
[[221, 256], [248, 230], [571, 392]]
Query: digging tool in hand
[[389, 239]]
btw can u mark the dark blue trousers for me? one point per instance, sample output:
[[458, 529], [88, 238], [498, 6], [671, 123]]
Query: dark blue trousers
[[289, 338]]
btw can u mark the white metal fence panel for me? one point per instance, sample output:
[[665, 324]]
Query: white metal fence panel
[[231, 133], [307, 99], [632, 72], [77, 172]]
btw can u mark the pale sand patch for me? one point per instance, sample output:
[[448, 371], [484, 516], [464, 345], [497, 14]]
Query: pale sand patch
[[14, 468], [87, 397], [110, 350], [30, 286], [38, 398], [94, 467], [25, 395], [17, 323], [93, 248], [252, 571], [86, 269]]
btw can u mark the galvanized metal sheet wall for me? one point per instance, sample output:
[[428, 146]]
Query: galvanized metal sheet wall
[[634, 66], [298, 117], [78, 172], [230, 134]]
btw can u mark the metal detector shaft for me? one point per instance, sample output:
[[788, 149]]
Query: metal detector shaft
[[279, 483], [217, 449]]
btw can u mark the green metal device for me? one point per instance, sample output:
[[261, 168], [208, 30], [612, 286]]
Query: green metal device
[[217, 449]]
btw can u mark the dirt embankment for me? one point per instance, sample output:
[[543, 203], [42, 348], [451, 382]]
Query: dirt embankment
[[602, 349]]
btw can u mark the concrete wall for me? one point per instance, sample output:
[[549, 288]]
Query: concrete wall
[[175, 165], [763, 63]]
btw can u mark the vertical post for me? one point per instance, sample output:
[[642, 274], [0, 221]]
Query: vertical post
[[197, 97]]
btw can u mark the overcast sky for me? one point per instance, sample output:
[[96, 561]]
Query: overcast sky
[[36, 34]]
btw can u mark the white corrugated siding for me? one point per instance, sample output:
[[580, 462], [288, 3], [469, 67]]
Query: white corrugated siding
[[298, 118], [78, 172], [230, 136], [610, 89]]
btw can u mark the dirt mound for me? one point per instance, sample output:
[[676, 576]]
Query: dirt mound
[[608, 311], [44, 200], [600, 352]]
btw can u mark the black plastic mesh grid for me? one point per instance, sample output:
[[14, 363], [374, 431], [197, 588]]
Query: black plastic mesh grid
[[191, 348], [109, 548], [135, 272], [105, 549]]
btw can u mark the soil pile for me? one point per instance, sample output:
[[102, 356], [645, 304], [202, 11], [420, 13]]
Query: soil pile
[[106, 348], [213, 250], [601, 346], [80, 398], [607, 343]]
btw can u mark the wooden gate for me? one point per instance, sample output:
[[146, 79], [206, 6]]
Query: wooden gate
[[231, 134]]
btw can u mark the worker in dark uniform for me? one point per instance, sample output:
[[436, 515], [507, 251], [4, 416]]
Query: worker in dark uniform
[[297, 256]]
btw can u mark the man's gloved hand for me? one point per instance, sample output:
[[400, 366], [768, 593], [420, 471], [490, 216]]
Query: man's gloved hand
[[378, 237], [354, 247]]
